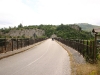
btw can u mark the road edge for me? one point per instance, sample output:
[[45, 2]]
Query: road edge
[[11, 53], [72, 62]]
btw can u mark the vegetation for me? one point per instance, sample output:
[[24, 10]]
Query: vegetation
[[65, 31], [62, 31], [5, 30], [87, 27], [87, 69]]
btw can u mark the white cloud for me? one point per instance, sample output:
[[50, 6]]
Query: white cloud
[[14, 12], [69, 11]]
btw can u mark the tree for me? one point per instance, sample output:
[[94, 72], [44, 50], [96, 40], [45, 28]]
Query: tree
[[20, 25]]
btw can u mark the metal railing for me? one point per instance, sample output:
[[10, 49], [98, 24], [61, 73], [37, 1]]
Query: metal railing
[[84, 47], [13, 44]]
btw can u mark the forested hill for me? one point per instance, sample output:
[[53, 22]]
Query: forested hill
[[87, 27], [66, 31], [62, 31]]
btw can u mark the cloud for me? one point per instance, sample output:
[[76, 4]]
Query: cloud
[[70, 11], [16, 12], [31, 12]]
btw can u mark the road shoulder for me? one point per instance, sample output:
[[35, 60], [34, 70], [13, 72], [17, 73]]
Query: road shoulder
[[75, 57]]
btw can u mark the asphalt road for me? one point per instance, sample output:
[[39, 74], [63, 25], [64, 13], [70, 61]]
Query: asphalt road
[[48, 58]]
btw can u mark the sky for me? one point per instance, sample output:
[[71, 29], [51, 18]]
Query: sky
[[36, 12]]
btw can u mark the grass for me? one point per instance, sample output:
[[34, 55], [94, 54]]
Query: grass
[[87, 69]]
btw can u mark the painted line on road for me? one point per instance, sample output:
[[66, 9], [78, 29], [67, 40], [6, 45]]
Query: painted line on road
[[5, 55], [33, 61]]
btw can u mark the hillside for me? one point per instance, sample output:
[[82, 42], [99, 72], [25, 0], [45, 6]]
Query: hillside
[[71, 31], [21, 32], [87, 27], [65, 31], [26, 33]]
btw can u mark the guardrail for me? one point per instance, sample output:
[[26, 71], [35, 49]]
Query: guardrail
[[84, 47], [13, 44]]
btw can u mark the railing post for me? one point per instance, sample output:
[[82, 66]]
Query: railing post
[[82, 47], [28, 41], [12, 44], [87, 48], [78, 45], [93, 51], [95, 48], [17, 43], [21, 42], [5, 44]]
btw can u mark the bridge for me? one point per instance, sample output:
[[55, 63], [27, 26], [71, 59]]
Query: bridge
[[46, 58], [43, 56]]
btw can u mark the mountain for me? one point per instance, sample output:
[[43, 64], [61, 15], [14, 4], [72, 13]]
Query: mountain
[[87, 27]]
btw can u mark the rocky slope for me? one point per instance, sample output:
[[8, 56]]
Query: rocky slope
[[25, 33]]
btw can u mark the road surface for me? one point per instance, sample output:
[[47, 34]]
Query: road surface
[[48, 58]]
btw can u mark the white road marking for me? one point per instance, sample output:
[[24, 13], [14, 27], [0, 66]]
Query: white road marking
[[33, 61]]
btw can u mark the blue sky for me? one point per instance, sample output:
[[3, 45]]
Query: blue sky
[[36, 12]]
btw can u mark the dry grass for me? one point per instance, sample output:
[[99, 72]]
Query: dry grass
[[86, 69], [98, 66]]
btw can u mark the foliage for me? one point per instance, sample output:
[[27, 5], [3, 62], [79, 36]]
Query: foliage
[[20, 25], [63, 31], [49, 29], [5, 30], [87, 27]]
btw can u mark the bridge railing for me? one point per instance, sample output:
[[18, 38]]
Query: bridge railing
[[84, 47], [13, 44]]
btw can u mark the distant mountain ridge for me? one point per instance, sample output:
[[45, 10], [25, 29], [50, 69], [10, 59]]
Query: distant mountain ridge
[[87, 27]]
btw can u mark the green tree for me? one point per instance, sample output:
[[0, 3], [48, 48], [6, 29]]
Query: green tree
[[20, 25]]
